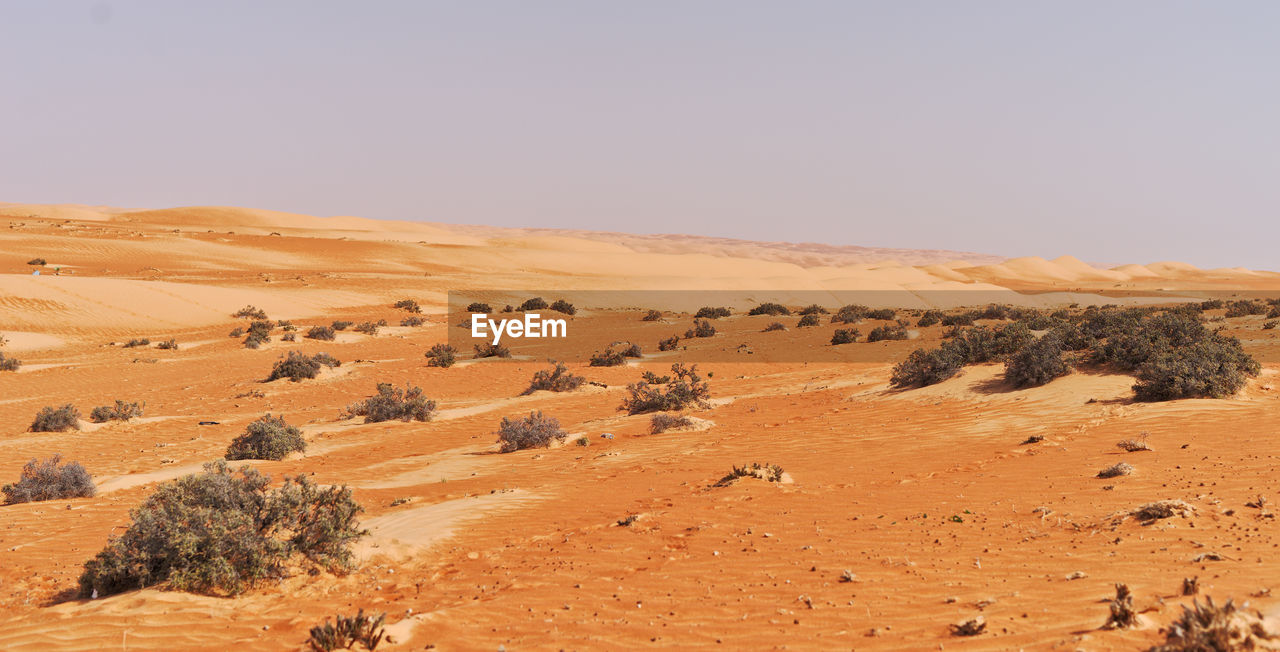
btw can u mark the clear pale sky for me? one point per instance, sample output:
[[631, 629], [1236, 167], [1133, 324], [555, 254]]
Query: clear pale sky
[[1116, 132]]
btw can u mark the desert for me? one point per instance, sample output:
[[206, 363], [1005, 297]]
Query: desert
[[799, 489]]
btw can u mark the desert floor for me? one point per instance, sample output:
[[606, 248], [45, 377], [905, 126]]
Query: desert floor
[[928, 497]]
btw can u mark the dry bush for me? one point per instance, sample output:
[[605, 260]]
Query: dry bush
[[390, 403], [669, 344], [769, 472], [413, 321], [809, 321], [38, 262], [701, 328], [774, 326], [9, 364], [770, 308], [652, 315], [850, 314], [136, 342], [1162, 509], [121, 411], [368, 328], [259, 333], [845, 336], [813, 309], [555, 379], [1210, 628], [533, 431], [536, 303], [478, 306], [882, 333], [408, 305], [323, 333], [49, 480], [560, 305], [267, 438], [345, 632], [441, 355], [1134, 445], [250, 312], [687, 389], [298, 366], [488, 350], [662, 422], [654, 379], [1122, 614], [51, 419], [340, 325], [930, 318], [971, 627], [1116, 470], [710, 312], [1036, 363], [168, 345]]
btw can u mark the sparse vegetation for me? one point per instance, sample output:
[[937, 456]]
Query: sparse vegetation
[[536, 303], [669, 344], [655, 379], [441, 355], [236, 332], [121, 411], [774, 326], [479, 307], [769, 472], [259, 334], [970, 627], [345, 632], [298, 366], [555, 379], [413, 321], [323, 333], [250, 312], [136, 342], [1036, 363], [663, 422], [408, 305], [267, 438], [652, 315], [845, 336], [882, 314], [1134, 445], [1245, 308], [393, 404], [368, 328], [560, 305], [850, 314], [1122, 614], [686, 389], [930, 318], [809, 321], [701, 328], [709, 312], [61, 419], [1210, 628], [245, 532], [533, 431], [37, 262], [488, 350], [49, 480], [881, 333], [770, 308], [168, 345], [341, 325], [1116, 470], [9, 364], [813, 309]]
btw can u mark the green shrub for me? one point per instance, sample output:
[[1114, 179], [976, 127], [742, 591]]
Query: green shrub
[[250, 312], [391, 404], [533, 431], [813, 309], [1216, 367], [560, 305], [223, 531], [652, 315], [479, 307], [121, 411], [669, 344], [701, 328], [808, 321], [441, 355], [845, 336], [881, 333], [136, 342], [49, 480], [710, 312], [408, 305], [341, 325], [930, 318], [345, 632], [536, 303], [325, 333], [297, 366], [663, 422], [488, 350], [267, 438], [770, 308], [850, 314], [368, 328], [686, 389], [774, 326], [52, 419], [555, 379], [1036, 363]]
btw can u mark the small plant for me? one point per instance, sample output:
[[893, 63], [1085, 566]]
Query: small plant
[[669, 344], [770, 308], [774, 326], [1135, 445], [1116, 470], [930, 318], [533, 431], [38, 262], [236, 332], [555, 379], [813, 309], [259, 334], [368, 328], [121, 411], [769, 472], [686, 389], [882, 333], [663, 422], [652, 315], [49, 480], [709, 312], [884, 314], [298, 366], [9, 364], [1270, 325], [654, 379], [390, 404], [1122, 614], [250, 312], [1190, 585], [583, 441], [560, 305], [479, 307], [341, 325], [323, 333], [413, 321], [808, 321], [850, 314], [488, 350], [61, 419], [1210, 628], [441, 355], [536, 303], [289, 337], [970, 627], [286, 325], [408, 305], [845, 336], [267, 438], [168, 345], [136, 342], [347, 631], [701, 328]]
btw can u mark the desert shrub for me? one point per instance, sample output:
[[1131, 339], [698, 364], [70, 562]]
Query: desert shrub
[[391, 403], [1116, 470], [712, 312], [669, 344], [412, 321], [121, 411], [244, 533], [368, 328], [652, 315], [325, 333], [38, 262], [286, 325], [340, 325], [608, 358], [850, 314], [536, 303], [1036, 363], [9, 364], [533, 431], [1214, 368], [49, 480], [809, 321], [926, 367], [1212, 304], [345, 632], [774, 326], [479, 307], [1275, 312], [1271, 325], [508, 308], [701, 328], [555, 379], [1210, 628], [236, 332], [845, 336], [560, 305], [267, 438], [168, 345], [686, 389], [289, 337], [882, 313], [259, 334], [663, 422], [250, 312], [441, 355], [408, 305], [983, 344], [813, 309], [297, 366], [488, 350], [770, 308], [1122, 614], [930, 318], [136, 342], [881, 333], [654, 379], [1244, 308], [51, 419], [960, 319], [769, 472]]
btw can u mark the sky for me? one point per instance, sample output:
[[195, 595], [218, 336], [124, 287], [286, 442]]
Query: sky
[[1115, 132]]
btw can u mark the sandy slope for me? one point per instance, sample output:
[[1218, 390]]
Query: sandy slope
[[927, 497]]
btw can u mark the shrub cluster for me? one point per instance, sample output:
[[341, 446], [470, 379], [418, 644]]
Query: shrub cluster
[[1215, 367], [1037, 363], [560, 305], [555, 379], [369, 328], [770, 308], [968, 346], [808, 321], [250, 312], [479, 307], [813, 309], [298, 366], [845, 336], [244, 533], [930, 318], [121, 411], [391, 404], [686, 389], [881, 333], [1244, 308], [51, 419], [669, 344], [441, 355], [340, 325], [325, 333], [536, 303], [49, 480], [774, 326], [652, 315], [408, 305], [850, 314], [663, 422], [701, 328], [488, 350], [882, 314], [259, 333], [533, 431], [710, 312], [654, 379], [345, 632], [267, 438], [413, 321]]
